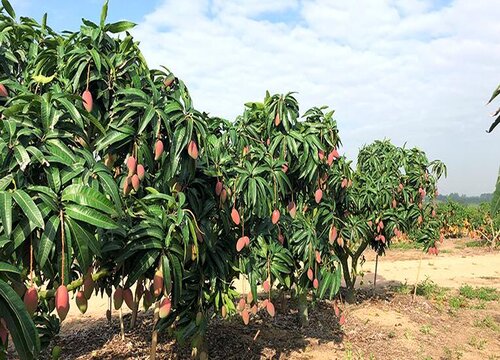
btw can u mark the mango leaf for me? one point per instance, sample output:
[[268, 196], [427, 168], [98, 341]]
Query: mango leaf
[[142, 265], [29, 207], [20, 325], [6, 267], [104, 13], [90, 216], [6, 211], [119, 26], [8, 7], [47, 240], [87, 196]]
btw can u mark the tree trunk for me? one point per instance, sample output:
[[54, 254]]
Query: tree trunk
[[200, 351], [350, 275], [122, 326], [349, 281], [134, 312], [284, 307], [303, 311]]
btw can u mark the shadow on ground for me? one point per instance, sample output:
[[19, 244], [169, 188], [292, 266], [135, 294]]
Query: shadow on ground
[[264, 337]]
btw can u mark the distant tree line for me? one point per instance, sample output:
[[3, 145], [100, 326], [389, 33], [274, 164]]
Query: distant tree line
[[464, 199]]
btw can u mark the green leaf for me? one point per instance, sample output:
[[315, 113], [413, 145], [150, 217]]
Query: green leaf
[[87, 196], [60, 152], [20, 325], [177, 272], [8, 7], [104, 14], [6, 211], [146, 119], [90, 216], [73, 112], [6, 181], [5, 267], [22, 157], [96, 58], [109, 187], [143, 264], [47, 240], [86, 237], [494, 95], [29, 207], [119, 26], [111, 138], [96, 123], [82, 239], [167, 277], [494, 124]]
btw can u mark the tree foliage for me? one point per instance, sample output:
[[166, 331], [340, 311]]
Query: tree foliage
[[110, 175]]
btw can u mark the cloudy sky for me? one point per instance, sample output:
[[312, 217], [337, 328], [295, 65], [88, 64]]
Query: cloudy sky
[[414, 71]]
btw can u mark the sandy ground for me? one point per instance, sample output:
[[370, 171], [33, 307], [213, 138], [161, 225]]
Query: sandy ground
[[388, 325], [449, 269], [454, 266]]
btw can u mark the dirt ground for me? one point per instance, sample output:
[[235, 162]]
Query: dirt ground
[[385, 324]]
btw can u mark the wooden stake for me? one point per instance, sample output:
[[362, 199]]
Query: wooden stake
[[375, 278], [418, 275], [154, 337]]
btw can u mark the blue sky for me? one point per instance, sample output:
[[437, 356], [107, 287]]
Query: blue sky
[[416, 71], [67, 15]]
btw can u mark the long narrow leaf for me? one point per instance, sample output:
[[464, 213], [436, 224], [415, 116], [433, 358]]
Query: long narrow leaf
[[29, 207]]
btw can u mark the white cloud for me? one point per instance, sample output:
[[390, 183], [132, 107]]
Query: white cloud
[[406, 70]]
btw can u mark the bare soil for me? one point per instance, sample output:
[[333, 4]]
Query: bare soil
[[383, 324]]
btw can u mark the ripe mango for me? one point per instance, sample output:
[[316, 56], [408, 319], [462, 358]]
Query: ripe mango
[[277, 119], [275, 217], [141, 172], [131, 165], [62, 302], [88, 102], [332, 235], [218, 187], [158, 149], [165, 307], [315, 283], [245, 316], [318, 195], [266, 285], [270, 308], [192, 149], [31, 300], [3, 91], [310, 274], [158, 283], [242, 242], [292, 209], [235, 216], [135, 182]]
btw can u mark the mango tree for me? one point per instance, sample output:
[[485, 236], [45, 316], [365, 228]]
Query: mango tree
[[92, 142], [392, 192], [271, 169]]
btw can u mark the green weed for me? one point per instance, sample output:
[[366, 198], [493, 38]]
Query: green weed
[[481, 293]]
